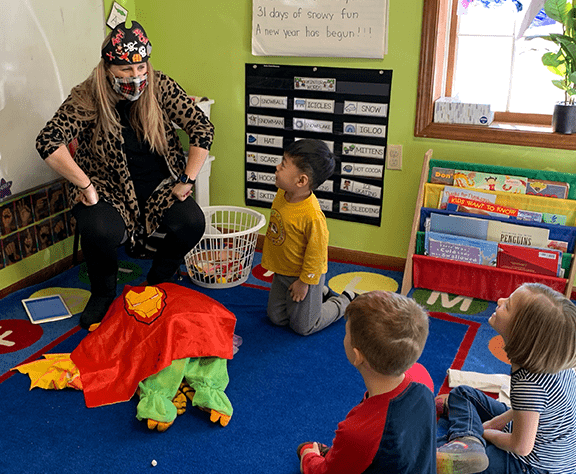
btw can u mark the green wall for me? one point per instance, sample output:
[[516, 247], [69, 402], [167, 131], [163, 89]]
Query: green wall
[[204, 45]]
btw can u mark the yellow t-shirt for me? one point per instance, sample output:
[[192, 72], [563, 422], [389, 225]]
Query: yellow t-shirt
[[296, 242]]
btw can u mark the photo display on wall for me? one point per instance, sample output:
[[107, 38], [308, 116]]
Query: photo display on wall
[[346, 108]]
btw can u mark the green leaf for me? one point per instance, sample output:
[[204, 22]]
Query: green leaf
[[560, 84], [557, 10]]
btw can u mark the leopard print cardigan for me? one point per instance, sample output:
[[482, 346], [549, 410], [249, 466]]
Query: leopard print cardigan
[[110, 175]]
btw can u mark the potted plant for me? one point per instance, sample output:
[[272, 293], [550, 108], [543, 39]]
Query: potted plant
[[563, 63]]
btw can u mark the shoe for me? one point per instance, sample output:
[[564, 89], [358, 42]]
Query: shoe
[[464, 455], [308, 444], [95, 310], [350, 295], [327, 293]]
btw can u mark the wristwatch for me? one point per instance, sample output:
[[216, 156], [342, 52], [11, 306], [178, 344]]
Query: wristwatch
[[184, 179]]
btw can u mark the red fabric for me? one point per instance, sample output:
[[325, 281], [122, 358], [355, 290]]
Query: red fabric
[[419, 374], [129, 346], [476, 281]]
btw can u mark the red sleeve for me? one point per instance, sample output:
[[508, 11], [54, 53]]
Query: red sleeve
[[355, 444]]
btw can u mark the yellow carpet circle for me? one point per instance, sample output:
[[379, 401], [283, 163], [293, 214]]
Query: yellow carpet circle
[[75, 298], [362, 282]]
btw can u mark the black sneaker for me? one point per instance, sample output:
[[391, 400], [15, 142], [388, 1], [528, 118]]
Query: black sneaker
[[464, 455], [95, 310]]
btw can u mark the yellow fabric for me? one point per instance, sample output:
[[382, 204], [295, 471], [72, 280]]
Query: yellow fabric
[[296, 242], [56, 371], [527, 202]]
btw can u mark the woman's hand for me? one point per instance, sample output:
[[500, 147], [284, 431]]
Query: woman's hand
[[181, 191], [88, 196]]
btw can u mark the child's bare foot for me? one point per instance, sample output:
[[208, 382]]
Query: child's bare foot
[[441, 406]]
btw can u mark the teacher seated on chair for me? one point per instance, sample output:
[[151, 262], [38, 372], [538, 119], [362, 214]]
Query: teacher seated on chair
[[129, 172]]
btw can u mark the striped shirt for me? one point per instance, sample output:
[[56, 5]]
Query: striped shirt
[[553, 396]]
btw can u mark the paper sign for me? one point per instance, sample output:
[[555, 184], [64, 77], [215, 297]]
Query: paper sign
[[365, 129], [264, 140], [361, 149], [263, 158], [269, 101], [265, 121], [320, 28], [314, 105]]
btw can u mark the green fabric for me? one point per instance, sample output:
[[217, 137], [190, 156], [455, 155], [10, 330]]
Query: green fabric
[[528, 173], [208, 377], [157, 392]]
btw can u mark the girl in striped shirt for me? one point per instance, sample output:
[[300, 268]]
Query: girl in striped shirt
[[538, 434]]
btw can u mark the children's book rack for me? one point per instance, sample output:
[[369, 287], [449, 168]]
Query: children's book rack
[[482, 281]]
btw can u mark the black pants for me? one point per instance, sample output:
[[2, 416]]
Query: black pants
[[102, 231]]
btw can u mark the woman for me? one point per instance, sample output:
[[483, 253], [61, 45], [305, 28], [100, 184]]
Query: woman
[[129, 171]]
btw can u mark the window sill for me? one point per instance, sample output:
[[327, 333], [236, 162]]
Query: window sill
[[499, 132]]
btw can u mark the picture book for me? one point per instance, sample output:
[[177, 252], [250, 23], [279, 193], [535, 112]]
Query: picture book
[[540, 187], [472, 206], [529, 259], [459, 225], [46, 308], [490, 181], [465, 193], [553, 218], [462, 249], [508, 233], [442, 176], [558, 245]]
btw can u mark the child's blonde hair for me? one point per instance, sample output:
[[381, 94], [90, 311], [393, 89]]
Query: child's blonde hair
[[542, 336], [389, 329]]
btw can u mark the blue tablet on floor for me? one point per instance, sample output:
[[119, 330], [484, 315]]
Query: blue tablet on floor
[[46, 308]]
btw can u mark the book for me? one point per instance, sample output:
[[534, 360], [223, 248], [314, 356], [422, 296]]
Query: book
[[490, 181], [558, 245], [541, 187], [45, 309], [529, 259], [442, 176], [459, 225], [464, 193], [462, 249], [553, 218], [472, 206], [508, 233]]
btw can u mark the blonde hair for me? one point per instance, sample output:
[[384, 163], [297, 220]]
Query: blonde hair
[[542, 336], [389, 329], [96, 101]]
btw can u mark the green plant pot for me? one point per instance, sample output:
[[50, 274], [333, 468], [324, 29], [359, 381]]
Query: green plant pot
[[564, 119]]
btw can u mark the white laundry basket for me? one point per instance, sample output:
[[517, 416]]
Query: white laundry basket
[[223, 258]]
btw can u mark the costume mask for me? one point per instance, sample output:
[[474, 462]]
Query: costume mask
[[130, 88]]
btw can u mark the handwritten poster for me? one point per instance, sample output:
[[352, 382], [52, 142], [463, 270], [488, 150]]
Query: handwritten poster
[[320, 28], [345, 108]]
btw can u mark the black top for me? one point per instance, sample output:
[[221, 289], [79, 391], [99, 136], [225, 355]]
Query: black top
[[147, 168]]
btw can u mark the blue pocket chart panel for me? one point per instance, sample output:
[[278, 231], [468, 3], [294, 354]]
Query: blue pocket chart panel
[[346, 108]]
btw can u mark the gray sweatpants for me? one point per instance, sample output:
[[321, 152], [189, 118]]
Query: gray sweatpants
[[307, 316]]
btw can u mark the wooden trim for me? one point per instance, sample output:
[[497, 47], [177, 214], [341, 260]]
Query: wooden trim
[[41, 276], [407, 278], [429, 85], [356, 256]]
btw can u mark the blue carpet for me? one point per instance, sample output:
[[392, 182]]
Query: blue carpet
[[284, 388]]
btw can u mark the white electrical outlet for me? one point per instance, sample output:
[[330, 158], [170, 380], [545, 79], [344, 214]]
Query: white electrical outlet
[[394, 157]]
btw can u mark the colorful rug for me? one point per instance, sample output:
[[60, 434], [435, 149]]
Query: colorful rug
[[285, 389]]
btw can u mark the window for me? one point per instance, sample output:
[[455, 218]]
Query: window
[[509, 80]]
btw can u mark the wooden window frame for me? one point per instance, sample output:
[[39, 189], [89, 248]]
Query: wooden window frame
[[527, 130]]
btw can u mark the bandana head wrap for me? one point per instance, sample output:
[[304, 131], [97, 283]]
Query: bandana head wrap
[[127, 45]]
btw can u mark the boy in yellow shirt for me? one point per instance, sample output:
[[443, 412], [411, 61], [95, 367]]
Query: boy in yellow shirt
[[296, 244]]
